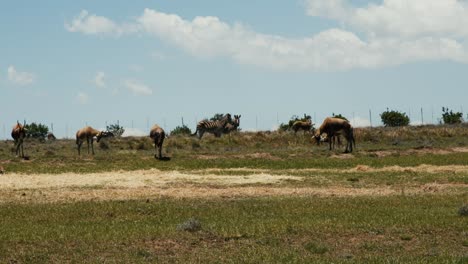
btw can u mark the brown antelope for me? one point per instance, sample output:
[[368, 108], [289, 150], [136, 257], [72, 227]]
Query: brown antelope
[[215, 127], [333, 127], [306, 126], [157, 134], [88, 133], [18, 133]]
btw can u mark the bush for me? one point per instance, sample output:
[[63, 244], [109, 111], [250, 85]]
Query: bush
[[449, 117], [181, 130], [394, 119], [34, 130], [217, 116], [463, 211], [115, 129]]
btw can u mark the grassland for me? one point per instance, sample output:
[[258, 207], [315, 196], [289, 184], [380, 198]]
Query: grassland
[[257, 197]]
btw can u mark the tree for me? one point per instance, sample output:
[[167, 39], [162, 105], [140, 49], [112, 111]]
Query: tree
[[181, 130], [38, 130], [394, 118], [449, 117], [115, 129]]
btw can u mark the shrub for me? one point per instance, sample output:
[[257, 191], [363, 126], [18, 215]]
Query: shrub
[[191, 225], [463, 211], [116, 129], [217, 116], [181, 130], [394, 119], [34, 130], [449, 117]]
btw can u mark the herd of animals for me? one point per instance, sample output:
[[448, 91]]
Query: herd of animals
[[330, 131]]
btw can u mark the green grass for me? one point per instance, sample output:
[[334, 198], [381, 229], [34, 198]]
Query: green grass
[[423, 229]]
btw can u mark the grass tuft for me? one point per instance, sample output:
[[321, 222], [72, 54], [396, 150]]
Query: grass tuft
[[191, 225], [463, 211]]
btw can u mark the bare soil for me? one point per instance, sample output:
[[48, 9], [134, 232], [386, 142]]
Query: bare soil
[[153, 184]]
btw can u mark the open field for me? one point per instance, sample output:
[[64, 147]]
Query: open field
[[253, 198]]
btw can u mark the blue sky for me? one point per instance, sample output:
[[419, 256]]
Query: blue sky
[[73, 63]]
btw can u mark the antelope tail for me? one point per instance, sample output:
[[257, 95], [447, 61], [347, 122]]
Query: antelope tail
[[194, 134]]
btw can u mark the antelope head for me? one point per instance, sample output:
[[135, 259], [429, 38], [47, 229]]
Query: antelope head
[[104, 134], [317, 137]]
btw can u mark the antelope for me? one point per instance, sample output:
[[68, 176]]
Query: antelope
[[336, 137], [306, 126], [89, 133], [157, 134], [232, 126], [215, 127], [18, 133], [333, 127]]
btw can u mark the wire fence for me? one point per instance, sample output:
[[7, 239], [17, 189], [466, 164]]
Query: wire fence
[[256, 122]]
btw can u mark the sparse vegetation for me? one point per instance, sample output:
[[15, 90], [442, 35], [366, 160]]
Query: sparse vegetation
[[410, 193], [339, 116], [463, 211]]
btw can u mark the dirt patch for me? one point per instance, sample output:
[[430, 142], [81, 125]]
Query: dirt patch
[[421, 168], [420, 151]]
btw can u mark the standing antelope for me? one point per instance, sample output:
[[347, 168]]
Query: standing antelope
[[306, 126], [157, 134], [89, 133], [215, 127], [18, 133], [336, 126]]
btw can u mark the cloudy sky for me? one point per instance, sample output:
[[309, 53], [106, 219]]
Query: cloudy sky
[[72, 63]]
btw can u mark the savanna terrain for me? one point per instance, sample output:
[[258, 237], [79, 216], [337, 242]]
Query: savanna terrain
[[263, 197]]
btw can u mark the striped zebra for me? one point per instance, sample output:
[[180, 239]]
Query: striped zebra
[[214, 127], [232, 126]]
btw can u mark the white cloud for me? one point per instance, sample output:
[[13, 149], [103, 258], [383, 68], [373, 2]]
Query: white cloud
[[402, 18], [138, 88], [82, 98], [330, 50], [99, 80], [20, 78], [93, 25]]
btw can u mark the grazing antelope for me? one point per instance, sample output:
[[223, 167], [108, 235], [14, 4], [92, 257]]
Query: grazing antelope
[[306, 126], [157, 134], [232, 126], [89, 133], [333, 127], [18, 133], [215, 127]]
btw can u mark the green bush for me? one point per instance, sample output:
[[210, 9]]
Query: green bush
[[38, 130], [115, 129], [394, 118], [449, 117], [181, 130]]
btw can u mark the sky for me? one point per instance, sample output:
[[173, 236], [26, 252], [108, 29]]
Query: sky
[[68, 64]]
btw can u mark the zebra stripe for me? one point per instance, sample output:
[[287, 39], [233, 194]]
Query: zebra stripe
[[214, 127]]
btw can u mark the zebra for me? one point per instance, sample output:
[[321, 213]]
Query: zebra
[[214, 127], [232, 126]]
